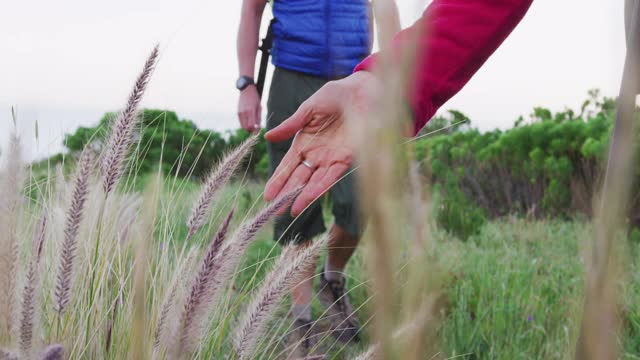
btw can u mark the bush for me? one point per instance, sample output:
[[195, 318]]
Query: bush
[[460, 217], [548, 167], [177, 145]]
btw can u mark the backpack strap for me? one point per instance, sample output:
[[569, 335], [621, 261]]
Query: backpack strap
[[265, 48]]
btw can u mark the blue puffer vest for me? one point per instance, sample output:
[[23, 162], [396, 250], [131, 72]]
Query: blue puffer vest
[[326, 38]]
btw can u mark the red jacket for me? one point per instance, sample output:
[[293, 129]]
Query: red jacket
[[455, 37]]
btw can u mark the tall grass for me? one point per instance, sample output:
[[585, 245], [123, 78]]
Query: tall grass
[[10, 208], [110, 283]]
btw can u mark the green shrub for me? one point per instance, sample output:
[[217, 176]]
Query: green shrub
[[548, 166], [177, 145], [459, 217]]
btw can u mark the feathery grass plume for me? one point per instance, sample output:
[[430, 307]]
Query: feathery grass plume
[[72, 225], [183, 271], [164, 314], [10, 193], [166, 331], [285, 274], [7, 355], [122, 129], [199, 297], [53, 352], [29, 293], [232, 252], [216, 180]]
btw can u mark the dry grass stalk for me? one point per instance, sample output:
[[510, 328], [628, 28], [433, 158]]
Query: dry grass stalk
[[428, 311], [600, 321], [140, 334], [74, 218], [231, 253], [200, 298], [424, 280], [122, 130], [10, 192], [112, 321], [29, 293], [216, 180], [285, 274], [53, 352], [381, 169]]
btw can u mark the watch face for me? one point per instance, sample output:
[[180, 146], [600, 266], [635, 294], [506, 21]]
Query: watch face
[[243, 82], [239, 83]]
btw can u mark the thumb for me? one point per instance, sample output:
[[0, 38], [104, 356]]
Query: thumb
[[288, 128]]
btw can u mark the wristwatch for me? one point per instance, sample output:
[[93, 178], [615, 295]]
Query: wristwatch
[[243, 82]]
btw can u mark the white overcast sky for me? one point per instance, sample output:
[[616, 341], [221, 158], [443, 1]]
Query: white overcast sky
[[66, 62]]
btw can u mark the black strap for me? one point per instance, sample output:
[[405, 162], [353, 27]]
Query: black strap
[[265, 48]]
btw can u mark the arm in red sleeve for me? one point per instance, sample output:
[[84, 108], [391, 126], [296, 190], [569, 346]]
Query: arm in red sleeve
[[456, 38]]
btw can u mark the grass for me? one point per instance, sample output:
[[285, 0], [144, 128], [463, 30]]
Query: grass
[[515, 290]]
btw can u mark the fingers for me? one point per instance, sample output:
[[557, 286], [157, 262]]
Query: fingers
[[250, 120], [257, 120], [280, 177], [243, 119], [320, 182], [299, 177], [288, 128]]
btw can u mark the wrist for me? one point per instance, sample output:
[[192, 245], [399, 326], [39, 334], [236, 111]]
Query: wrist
[[248, 88], [244, 82], [364, 87]]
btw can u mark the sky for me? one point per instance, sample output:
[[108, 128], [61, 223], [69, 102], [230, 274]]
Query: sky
[[64, 63]]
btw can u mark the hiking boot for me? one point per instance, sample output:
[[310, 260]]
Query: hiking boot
[[344, 324], [303, 339]]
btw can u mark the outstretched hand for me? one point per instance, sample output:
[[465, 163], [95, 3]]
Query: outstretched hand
[[322, 150]]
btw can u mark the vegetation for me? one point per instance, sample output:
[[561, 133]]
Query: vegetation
[[548, 167], [544, 167], [178, 144], [154, 254], [114, 266]]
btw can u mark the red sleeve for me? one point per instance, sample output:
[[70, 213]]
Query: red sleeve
[[455, 37]]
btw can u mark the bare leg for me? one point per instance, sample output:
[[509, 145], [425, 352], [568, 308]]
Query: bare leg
[[341, 248]]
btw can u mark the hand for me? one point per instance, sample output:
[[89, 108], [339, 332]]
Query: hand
[[321, 140], [249, 109]]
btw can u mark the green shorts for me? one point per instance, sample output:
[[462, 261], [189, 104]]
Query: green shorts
[[288, 90]]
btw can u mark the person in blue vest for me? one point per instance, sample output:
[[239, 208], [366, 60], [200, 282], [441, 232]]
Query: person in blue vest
[[313, 42]]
